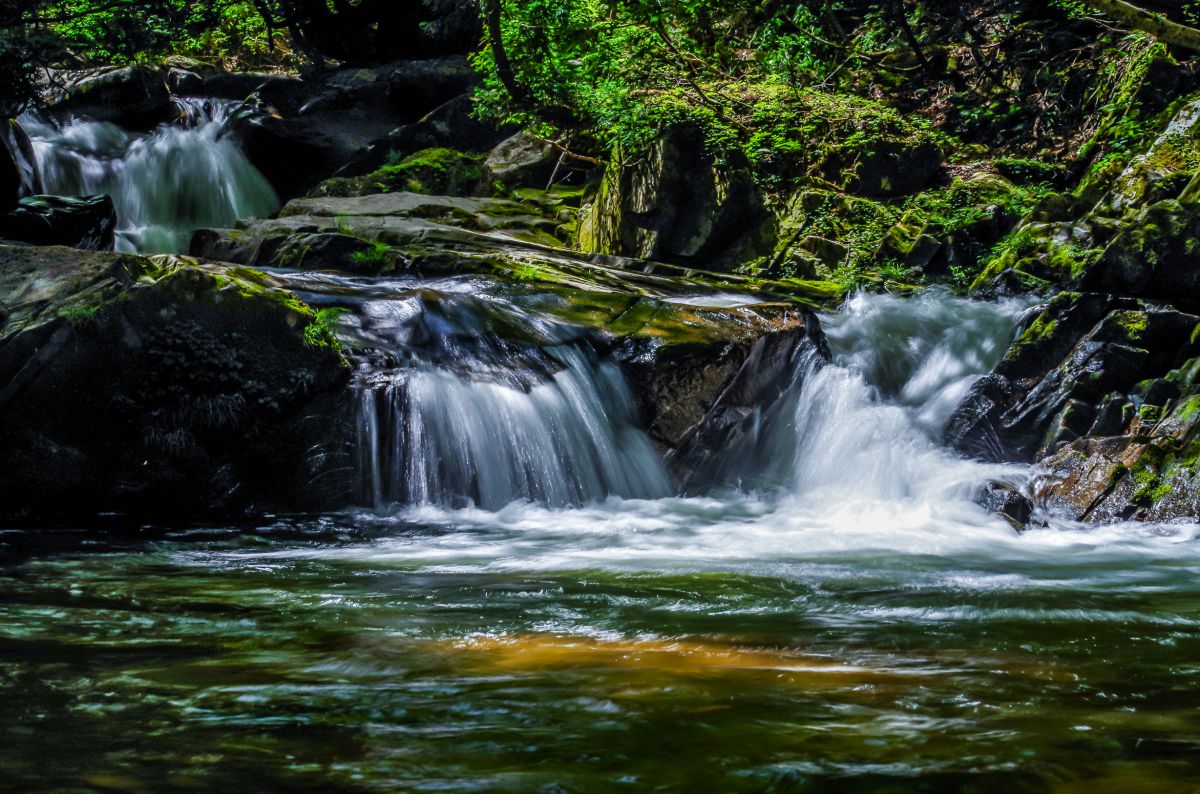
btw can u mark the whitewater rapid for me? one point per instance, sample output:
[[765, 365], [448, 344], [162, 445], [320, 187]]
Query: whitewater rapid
[[857, 473]]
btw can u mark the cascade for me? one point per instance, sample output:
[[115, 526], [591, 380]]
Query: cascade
[[467, 398], [166, 183], [868, 425]]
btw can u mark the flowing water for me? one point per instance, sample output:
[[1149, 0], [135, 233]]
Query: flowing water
[[841, 617], [165, 184]]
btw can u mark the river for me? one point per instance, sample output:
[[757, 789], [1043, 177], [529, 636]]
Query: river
[[525, 603]]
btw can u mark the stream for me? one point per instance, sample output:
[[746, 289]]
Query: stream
[[525, 603]]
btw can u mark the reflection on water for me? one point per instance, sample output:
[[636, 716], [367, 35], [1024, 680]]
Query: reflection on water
[[366, 654]]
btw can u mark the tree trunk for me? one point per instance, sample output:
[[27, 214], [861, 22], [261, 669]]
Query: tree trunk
[[1156, 25], [504, 70]]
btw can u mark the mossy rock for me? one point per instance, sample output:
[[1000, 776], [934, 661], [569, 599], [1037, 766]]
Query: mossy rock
[[445, 172], [159, 387]]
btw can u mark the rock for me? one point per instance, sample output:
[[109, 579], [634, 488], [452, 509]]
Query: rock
[[443, 172], [88, 222], [520, 240], [890, 169], [19, 176], [449, 126], [751, 410], [157, 387], [678, 205], [1161, 171], [268, 88], [1042, 393], [522, 161], [133, 97], [1153, 255], [1008, 502], [302, 132]]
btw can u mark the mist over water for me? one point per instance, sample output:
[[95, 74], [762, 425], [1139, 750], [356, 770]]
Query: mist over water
[[165, 184]]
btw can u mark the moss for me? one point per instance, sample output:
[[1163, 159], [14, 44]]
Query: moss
[[1035, 257], [1132, 323], [1027, 171], [193, 281], [1127, 127], [433, 171], [79, 314], [1041, 330], [429, 171]]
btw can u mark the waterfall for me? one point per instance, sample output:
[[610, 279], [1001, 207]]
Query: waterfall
[[450, 413], [868, 426], [165, 184], [467, 398]]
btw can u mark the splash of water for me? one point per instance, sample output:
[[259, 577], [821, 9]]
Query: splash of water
[[165, 184]]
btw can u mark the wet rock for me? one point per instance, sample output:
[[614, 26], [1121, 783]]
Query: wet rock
[[156, 387], [1006, 501], [678, 205], [19, 176], [88, 222], [1042, 393], [750, 411]]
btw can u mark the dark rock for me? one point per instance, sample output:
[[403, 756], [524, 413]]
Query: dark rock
[[893, 168], [1008, 502], [269, 88], [749, 411], [301, 132], [1025, 405], [445, 172], [88, 222], [133, 97], [449, 126], [19, 176], [1153, 255], [155, 387], [679, 205]]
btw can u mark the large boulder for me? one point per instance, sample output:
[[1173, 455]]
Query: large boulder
[[448, 126], [133, 97], [1153, 255], [522, 161], [446, 172], [157, 387], [300, 132], [89, 222], [678, 204]]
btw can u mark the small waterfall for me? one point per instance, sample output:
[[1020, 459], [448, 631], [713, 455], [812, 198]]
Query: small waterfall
[[455, 413], [867, 427], [165, 184]]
